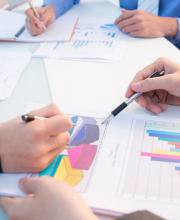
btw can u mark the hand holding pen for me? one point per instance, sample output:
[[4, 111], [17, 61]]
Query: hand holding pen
[[154, 92], [36, 24]]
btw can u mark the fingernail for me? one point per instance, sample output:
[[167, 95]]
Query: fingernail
[[36, 22], [41, 24], [154, 110], [139, 103], [136, 85], [21, 181], [164, 107]]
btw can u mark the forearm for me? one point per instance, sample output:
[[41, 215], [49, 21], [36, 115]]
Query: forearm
[[60, 6]]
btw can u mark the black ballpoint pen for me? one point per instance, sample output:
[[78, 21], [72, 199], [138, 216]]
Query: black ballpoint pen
[[130, 100]]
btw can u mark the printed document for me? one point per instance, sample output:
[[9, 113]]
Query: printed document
[[131, 163], [96, 40]]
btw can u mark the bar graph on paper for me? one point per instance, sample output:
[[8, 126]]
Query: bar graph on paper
[[153, 170]]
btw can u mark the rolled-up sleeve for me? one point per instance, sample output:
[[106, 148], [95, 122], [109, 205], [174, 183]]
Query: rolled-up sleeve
[[60, 6], [178, 35]]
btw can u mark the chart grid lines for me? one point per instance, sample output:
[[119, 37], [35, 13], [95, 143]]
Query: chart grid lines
[[154, 164]]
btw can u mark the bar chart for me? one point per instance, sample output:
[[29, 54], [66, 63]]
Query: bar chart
[[154, 161], [94, 34]]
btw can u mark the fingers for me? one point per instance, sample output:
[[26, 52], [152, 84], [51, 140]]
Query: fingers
[[48, 111], [131, 28], [59, 140], [31, 16], [126, 23], [58, 124], [158, 65], [46, 18], [150, 84], [151, 103], [29, 186], [35, 25], [124, 16], [5, 203]]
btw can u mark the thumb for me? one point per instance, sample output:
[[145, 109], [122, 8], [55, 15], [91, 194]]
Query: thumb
[[150, 84], [40, 12], [29, 186]]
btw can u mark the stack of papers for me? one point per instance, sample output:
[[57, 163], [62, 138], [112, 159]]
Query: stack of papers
[[96, 40], [12, 65]]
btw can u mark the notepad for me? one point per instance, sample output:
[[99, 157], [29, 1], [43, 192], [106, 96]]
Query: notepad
[[12, 28]]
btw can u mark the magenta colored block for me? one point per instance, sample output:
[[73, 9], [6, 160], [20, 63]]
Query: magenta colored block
[[74, 154], [177, 147], [81, 157]]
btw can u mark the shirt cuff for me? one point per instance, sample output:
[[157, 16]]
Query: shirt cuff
[[178, 35]]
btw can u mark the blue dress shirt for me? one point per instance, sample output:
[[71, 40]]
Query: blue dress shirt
[[167, 8]]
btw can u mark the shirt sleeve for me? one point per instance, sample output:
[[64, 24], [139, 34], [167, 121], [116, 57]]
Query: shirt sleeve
[[178, 35], [60, 6]]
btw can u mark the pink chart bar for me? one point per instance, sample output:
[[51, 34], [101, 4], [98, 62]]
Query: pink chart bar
[[160, 156]]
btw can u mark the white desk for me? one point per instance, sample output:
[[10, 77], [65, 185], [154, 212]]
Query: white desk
[[33, 85]]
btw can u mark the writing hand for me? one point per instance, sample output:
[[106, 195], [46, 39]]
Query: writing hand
[[34, 25], [31, 147]]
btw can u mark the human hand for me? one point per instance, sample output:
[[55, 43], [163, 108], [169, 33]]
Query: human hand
[[34, 25], [52, 199], [160, 91], [139, 23], [31, 147]]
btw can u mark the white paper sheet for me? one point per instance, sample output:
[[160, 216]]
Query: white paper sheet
[[60, 30], [12, 65], [10, 23], [122, 177], [96, 40]]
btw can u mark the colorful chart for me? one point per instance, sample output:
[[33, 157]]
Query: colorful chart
[[74, 120], [68, 174], [69, 168], [88, 132], [169, 134], [154, 160], [81, 157]]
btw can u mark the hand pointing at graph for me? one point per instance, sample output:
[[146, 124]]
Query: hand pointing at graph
[[157, 92]]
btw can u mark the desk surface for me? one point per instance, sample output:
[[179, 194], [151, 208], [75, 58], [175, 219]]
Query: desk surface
[[33, 84]]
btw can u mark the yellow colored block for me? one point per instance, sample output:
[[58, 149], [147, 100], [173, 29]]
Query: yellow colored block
[[66, 173], [165, 152]]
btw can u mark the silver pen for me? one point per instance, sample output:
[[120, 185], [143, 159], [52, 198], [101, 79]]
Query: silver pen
[[35, 12], [130, 100]]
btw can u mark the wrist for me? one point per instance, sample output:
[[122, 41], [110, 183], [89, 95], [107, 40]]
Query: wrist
[[169, 27]]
